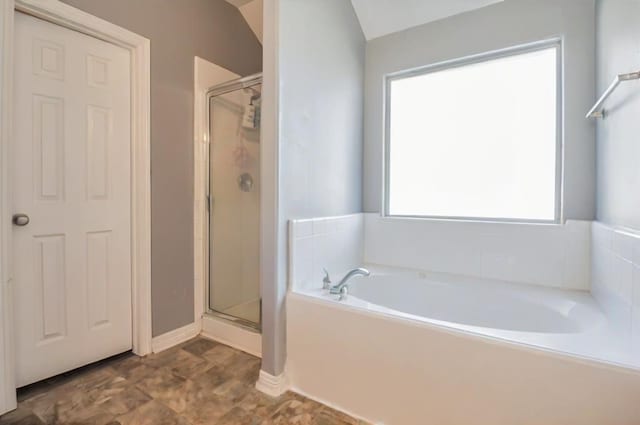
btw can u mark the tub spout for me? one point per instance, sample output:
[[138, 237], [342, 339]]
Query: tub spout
[[341, 288]]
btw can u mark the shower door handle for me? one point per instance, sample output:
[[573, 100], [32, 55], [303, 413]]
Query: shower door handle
[[209, 203]]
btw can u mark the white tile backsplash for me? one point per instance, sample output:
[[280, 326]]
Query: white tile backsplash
[[616, 275], [549, 255], [555, 256], [563, 256], [334, 243]]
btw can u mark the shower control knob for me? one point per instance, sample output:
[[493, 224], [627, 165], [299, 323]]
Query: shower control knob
[[245, 182]]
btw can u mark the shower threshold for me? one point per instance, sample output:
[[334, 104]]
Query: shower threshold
[[246, 314], [249, 311], [229, 330]]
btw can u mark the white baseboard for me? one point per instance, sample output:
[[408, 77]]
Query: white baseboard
[[175, 337], [232, 335], [273, 386]]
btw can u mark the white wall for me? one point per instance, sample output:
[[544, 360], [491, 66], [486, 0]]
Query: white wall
[[505, 24], [618, 51], [320, 79]]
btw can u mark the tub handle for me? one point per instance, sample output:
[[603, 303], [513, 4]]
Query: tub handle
[[344, 291]]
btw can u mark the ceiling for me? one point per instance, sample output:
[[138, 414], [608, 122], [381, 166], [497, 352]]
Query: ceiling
[[382, 17], [238, 3], [251, 11]]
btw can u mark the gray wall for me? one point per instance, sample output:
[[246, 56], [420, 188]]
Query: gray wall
[[178, 30], [321, 79], [505, 24], [618, 51]]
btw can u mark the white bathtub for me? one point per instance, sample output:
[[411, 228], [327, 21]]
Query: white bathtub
[[477, 305], [408, 347]]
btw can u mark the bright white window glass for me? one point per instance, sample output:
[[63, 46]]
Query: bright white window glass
[[477, 140]]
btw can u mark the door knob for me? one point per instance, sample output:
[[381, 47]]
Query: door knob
[[20, 219]]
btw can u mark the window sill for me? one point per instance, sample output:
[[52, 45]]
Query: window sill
[[471, 220]]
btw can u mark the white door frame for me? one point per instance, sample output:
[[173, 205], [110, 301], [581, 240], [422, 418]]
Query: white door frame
[[69, 17]]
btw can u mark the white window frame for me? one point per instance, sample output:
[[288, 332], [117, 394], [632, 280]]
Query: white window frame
[[556, 43]]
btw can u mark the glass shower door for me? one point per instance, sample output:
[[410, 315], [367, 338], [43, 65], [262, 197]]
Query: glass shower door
[[234, 217]]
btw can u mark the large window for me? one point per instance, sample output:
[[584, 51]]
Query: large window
[[477, 138]]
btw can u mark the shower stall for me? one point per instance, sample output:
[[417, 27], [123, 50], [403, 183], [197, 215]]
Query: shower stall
[[233, 290]]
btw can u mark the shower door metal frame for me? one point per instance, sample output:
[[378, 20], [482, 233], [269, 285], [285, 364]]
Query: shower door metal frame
[[219, 90]]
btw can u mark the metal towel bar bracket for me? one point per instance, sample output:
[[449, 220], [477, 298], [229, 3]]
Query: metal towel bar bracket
[[596, 112]]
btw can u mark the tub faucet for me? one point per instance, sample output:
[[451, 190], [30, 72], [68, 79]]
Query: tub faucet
[[341, 288]]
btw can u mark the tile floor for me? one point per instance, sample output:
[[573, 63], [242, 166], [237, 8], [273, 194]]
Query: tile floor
[[198, 382]]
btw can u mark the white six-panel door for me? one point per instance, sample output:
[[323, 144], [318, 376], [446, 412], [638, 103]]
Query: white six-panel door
[[71, 177]]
